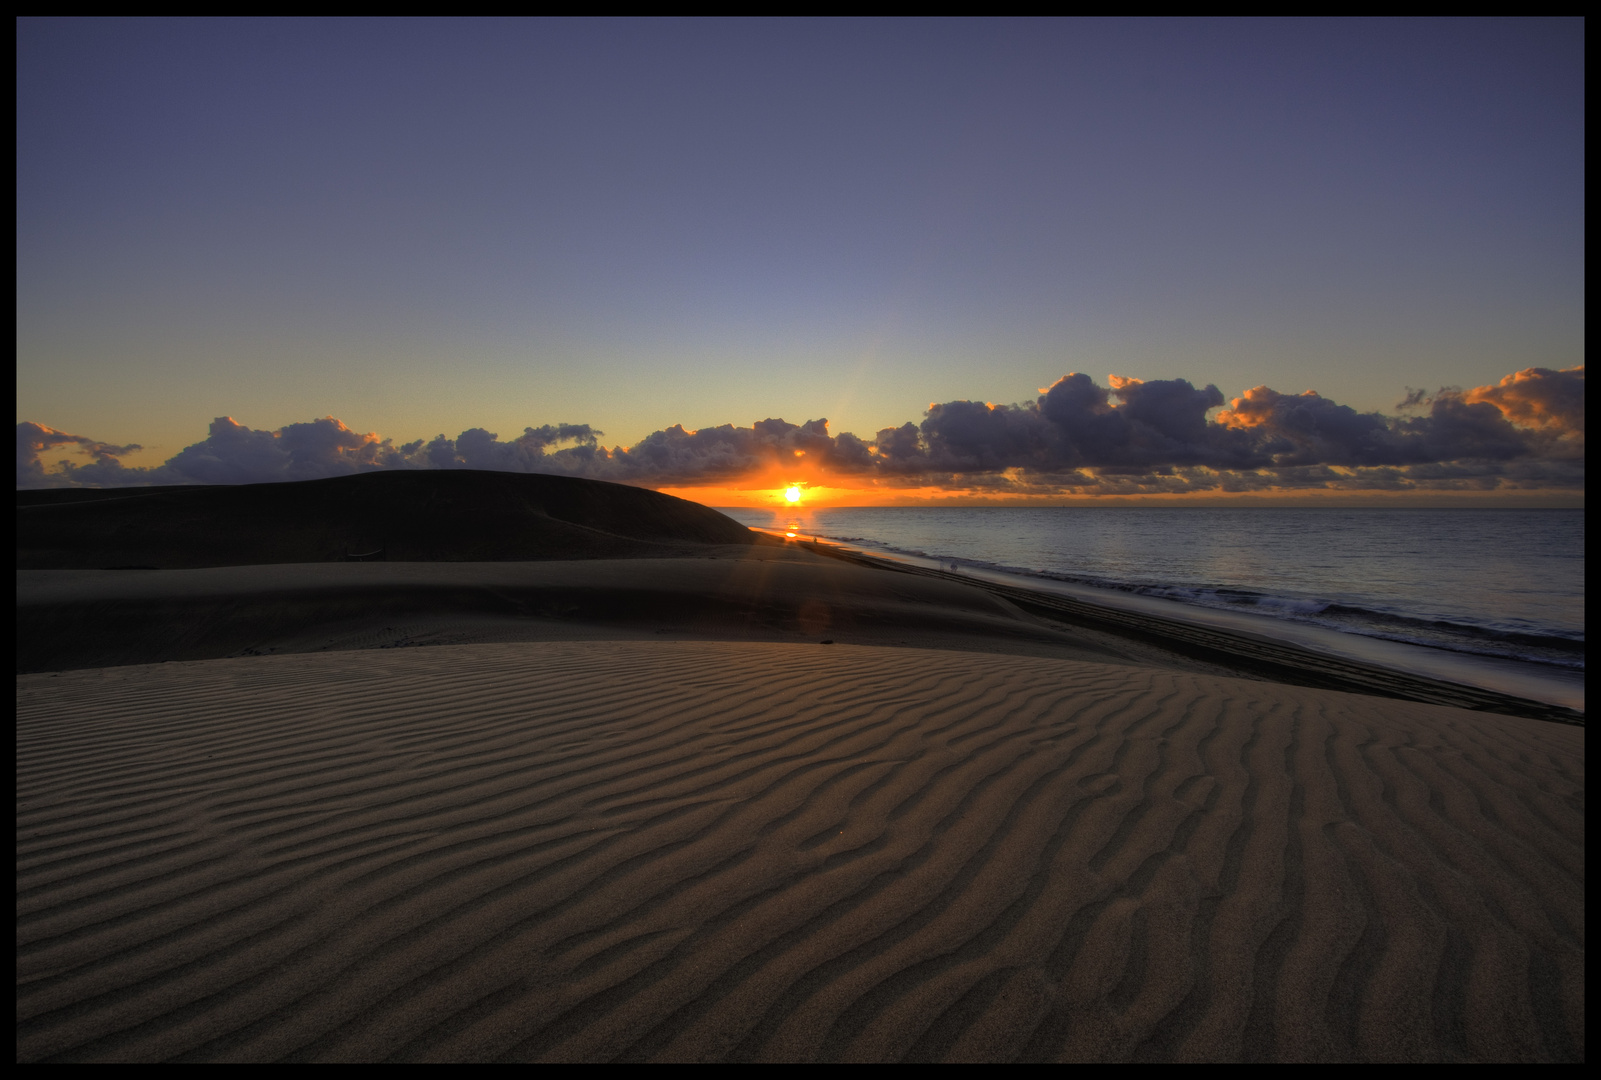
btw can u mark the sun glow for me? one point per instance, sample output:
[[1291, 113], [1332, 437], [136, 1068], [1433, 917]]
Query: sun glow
[[792, 493]]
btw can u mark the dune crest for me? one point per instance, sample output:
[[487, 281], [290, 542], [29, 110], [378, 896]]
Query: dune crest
[[454, 515], [750, 851]]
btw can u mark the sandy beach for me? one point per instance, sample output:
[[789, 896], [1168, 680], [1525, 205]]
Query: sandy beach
[[746, 802]]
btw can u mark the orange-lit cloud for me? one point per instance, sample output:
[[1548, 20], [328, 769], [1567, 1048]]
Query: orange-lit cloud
[[36, 439], [1537, 398], [1537, 412], [1130, 439]]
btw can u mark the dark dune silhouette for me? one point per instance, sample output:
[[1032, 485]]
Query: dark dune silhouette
[[421, 516], [468, 556]]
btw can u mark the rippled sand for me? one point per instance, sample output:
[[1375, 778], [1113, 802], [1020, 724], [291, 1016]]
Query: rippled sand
[[693, 850]]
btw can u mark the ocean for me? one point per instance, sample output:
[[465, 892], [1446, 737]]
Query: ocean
[[1504, 585]]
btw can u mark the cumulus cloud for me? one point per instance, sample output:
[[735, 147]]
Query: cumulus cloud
[[235, 454], [1130, 437], [34, 440], [1550, 401], [724, 453]]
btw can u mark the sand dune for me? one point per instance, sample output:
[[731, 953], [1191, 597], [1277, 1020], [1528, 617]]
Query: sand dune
[[96, 618], [759, 851], [452, 515]]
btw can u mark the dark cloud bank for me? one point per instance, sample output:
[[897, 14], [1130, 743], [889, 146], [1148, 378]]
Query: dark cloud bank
[[1077, 438]]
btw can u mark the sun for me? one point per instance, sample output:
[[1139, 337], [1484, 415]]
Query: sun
[[792, 493]]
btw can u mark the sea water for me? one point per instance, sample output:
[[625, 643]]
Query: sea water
[[1502, 585]]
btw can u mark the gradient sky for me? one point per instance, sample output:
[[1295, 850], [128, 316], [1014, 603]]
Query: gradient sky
[[422, 227]]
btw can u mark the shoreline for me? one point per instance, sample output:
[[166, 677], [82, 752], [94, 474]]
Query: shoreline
[[773, 590], [1186, 632]]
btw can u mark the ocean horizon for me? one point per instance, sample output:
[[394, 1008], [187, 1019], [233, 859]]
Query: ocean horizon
[[1503, 584]]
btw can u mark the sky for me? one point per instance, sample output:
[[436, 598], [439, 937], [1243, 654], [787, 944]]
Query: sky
[[1081, 259]]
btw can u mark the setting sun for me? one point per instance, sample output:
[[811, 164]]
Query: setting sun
[[792, 493]]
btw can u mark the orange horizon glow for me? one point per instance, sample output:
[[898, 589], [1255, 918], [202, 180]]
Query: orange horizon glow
[[838, 494], [769, 488]]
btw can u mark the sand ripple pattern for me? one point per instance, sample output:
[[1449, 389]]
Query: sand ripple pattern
[[713, 851]]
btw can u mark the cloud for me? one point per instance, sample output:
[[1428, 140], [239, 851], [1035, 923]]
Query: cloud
[[1539, 398], [677, 456], [1132, 424], [35, 439], [1129, 437], [235, 454]]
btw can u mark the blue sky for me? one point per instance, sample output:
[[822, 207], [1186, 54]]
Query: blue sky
[[422, 227]]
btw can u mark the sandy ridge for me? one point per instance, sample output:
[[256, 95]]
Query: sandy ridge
[[693, 850]]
